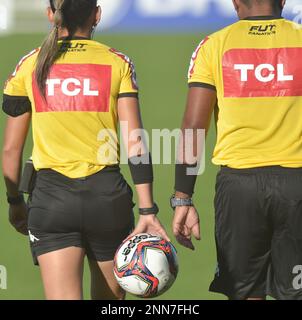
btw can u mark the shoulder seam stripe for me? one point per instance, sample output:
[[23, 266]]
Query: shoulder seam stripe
[[19, 65]]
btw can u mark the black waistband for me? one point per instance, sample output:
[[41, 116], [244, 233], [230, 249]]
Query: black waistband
[[46, 172], [269, 169]]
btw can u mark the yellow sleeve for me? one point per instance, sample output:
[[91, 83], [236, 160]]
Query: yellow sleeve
[[200, 71], [15, 85], [15, 97], [129, 86]]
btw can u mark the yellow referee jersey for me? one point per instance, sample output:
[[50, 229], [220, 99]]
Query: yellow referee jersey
[[75, 131], [256, 68]]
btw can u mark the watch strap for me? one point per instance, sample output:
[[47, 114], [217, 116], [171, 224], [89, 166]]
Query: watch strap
[[181, 202], [149, 211]]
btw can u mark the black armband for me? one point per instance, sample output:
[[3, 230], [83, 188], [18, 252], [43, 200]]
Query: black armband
[[184, 179], [128, 95], [202, 85], [14, 201], [149, 211], [141, 169], [15, 106]]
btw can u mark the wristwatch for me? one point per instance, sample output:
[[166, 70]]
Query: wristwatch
[[180, 202]]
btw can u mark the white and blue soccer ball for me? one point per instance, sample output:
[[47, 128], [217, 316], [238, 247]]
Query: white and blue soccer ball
[[146, 265]]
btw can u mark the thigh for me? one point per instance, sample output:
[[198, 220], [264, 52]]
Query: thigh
[[243, 237], [62, 273], [103, 283], [108, 220]]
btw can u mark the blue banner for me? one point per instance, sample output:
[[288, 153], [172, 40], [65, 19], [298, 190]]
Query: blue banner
[[175, 15]]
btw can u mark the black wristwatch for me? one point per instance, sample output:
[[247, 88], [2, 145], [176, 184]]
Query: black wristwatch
[[149, 211], [15, 200], [180, 202]]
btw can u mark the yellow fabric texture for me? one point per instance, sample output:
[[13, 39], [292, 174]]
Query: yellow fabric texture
[[255, 68], [68, 132]]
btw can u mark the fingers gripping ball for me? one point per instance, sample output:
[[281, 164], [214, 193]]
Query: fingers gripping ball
[[146, 265]]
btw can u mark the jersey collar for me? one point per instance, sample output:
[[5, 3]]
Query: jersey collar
[[73, 38], [263, 18]]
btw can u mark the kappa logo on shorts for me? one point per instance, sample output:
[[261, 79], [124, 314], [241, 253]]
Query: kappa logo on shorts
[[32, 238], [262, 72], [87, 88]]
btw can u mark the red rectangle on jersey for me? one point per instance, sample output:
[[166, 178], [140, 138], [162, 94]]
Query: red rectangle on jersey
[[75, 87], [262, 72]]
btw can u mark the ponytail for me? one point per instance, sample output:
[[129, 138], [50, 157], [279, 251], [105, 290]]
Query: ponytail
[[69, 14], [49, 50]]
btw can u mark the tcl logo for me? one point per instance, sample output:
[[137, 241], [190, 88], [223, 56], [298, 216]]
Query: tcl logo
[[70, 87], [87, 88], [262, 72]]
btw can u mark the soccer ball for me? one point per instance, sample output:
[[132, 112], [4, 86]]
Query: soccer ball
[[146, 265]]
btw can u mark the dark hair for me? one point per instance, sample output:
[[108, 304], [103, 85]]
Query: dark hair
[[69, 14], [274, 3]]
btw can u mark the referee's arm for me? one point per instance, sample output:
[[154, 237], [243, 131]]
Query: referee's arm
[[14, 140], [142, 172], [201, 102]]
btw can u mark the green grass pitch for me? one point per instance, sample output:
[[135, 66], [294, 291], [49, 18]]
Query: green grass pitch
[[162, 62]]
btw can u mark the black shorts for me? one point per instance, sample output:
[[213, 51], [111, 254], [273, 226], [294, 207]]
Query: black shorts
[[94, 213], [259, 233]]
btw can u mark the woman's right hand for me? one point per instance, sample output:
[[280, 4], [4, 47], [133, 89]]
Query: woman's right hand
[[150, 224], [18, 217]]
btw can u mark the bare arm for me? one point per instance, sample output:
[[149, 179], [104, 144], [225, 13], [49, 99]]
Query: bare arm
[[128, 112], [14, 139], [199, 109]]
